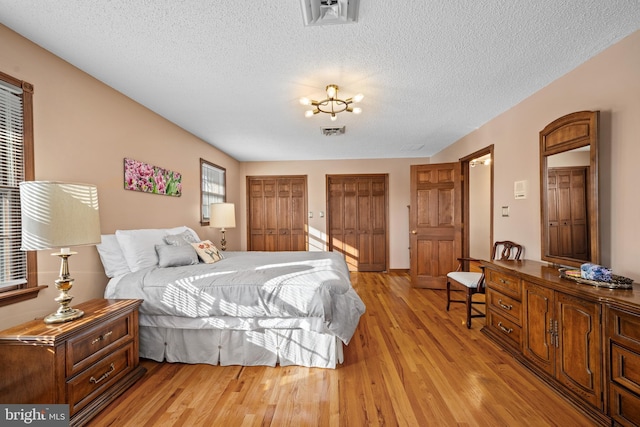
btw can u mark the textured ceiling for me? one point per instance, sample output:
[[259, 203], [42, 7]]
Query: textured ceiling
[[231, 72]]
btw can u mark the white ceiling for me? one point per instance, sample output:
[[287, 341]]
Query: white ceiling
[[231, 72]]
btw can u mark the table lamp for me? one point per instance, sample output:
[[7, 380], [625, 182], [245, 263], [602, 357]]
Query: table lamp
[[57, 215], [222, 215]]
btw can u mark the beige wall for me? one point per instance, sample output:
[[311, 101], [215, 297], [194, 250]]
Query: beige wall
[[610, 83], [316, 171], [83, 130]]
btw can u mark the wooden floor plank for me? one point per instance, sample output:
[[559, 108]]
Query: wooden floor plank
[[410, 363]]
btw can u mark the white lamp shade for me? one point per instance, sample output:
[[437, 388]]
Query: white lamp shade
[[222, 215], [58, 215]]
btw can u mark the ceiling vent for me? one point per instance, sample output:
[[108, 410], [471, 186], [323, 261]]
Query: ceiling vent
[[333, 131], [329, 12]]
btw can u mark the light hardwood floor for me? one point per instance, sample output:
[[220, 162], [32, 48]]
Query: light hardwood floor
[[410, 363]]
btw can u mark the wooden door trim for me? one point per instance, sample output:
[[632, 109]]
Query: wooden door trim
[[466, 197]]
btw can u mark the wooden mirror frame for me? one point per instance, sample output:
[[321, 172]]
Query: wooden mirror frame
[[567, 133]]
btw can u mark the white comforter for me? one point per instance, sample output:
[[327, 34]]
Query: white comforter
[[251, 285]]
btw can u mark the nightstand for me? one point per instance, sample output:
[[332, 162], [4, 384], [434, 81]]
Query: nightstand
[[86, 363]]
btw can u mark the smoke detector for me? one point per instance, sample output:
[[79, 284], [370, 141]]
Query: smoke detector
[[329, 12], [332, 131]]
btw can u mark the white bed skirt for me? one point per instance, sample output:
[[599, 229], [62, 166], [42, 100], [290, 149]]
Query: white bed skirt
[[264, 347]]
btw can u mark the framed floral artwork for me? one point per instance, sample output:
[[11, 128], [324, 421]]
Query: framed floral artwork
[[140, 176]]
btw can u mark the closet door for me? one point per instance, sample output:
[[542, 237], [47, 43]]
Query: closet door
[[357, 219], [277, 207], [292, 205], [341, 218]]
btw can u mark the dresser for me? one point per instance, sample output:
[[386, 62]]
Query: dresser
[[86, 363], [582, 340]]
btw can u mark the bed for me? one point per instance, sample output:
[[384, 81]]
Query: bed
[[233, 308]]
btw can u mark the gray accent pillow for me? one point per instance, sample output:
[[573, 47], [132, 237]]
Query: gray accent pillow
[[176, 256], [180, 239]]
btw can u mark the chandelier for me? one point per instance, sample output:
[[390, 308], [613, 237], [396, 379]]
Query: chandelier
[[332, 104]]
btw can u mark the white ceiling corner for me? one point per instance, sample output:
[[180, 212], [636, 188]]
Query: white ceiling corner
[[431, 71]]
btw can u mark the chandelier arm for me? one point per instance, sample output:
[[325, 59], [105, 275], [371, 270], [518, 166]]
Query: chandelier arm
[[332, 104], [329, 105]]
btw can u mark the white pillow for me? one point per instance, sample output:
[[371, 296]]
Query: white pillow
[[139, 246], [112, 257]]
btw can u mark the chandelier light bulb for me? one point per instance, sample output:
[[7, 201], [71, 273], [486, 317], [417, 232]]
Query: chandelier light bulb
[[308, 113], [332, 91], [334, 117], [357, 110], [305, 101], [358, 97]]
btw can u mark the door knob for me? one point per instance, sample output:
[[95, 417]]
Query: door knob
[[414, 232]]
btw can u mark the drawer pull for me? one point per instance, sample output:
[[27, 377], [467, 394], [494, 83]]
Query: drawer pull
[[505, 330], [104, 376], [505, 306], [101, 337], [504, 282]]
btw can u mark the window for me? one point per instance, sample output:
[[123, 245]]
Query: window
[[213, 188], [18, 270]]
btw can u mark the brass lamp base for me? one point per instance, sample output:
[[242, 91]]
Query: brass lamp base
[[62, 316], [223, 242], [64, 284]]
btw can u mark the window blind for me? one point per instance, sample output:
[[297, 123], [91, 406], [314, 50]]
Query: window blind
[[13, 261], [213, 187]]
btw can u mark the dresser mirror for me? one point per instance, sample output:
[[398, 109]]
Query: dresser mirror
[[569, 189]]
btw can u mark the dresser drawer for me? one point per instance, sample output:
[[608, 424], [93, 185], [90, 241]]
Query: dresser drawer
[[505, 328], [509, 307], [84, 387], [85, 349], [625, 367], [504, 283], [624, 328], [624, 406]]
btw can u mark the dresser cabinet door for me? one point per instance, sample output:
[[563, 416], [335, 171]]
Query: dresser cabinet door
[[579, 347], [539, 342]]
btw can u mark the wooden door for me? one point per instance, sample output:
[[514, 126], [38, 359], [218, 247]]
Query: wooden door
[[579, 359], [567, 212], [357, 219], [291, 218], [342, 219], [277, 207], [539, 337], [435, 221], [262, 219]]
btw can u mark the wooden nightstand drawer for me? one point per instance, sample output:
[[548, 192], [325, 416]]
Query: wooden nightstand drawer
[[505, 283], [92, 345], [84, 387], [510, 332], [506, 306]]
